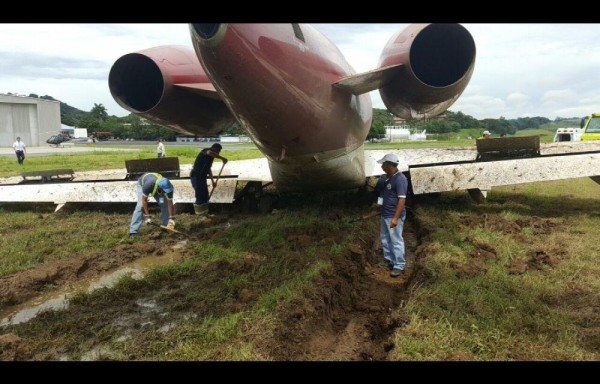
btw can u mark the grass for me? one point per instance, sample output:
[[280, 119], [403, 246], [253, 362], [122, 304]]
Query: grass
[[544, 313], [31, 238], [199, 293], [93, 161]]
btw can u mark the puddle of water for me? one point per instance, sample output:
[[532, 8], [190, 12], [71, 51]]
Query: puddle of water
[[59, 300]]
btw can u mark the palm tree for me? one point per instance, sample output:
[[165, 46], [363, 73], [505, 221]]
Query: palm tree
[[99, 112]]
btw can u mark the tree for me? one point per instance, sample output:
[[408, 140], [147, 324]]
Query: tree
[[440, 126], [99, 112], [465, 121], [381, 118], [234, 129]]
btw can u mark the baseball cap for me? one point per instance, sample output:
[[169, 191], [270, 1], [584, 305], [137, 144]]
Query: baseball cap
[[389, 157], [165, 185]]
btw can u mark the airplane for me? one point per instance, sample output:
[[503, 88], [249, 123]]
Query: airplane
[[293, 92], [57, 140]]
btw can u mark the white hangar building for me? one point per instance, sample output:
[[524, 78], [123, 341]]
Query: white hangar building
[[33, 119]]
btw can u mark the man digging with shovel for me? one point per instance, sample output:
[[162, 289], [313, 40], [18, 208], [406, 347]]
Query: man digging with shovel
[[148, 185], [200, 173]]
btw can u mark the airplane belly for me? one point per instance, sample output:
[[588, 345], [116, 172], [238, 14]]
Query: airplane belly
[[320, 171]]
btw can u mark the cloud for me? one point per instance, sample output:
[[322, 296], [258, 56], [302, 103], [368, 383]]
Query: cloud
[[517, 99], [32, 66], [480, 106], [558, 97]]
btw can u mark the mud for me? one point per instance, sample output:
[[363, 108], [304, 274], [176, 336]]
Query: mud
[[345, 315]]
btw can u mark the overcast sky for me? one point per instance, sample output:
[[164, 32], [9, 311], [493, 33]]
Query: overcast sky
[[521, 69]]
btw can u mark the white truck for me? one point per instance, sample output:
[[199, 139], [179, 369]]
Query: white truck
[[568, 134], [589, 130]]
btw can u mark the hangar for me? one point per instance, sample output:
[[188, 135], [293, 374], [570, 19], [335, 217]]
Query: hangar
[[33, 119]]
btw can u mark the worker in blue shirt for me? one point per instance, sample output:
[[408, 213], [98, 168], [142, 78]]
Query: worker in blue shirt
[[153, 185]]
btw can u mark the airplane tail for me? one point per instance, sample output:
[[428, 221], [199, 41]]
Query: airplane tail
[[168, 85], [422, 70]]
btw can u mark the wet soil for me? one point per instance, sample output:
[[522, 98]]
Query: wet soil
[[346, 314]]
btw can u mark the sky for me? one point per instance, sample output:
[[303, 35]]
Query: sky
[[550, 70]]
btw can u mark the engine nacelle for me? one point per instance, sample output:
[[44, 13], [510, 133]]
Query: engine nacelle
[[438, 61], [153, 84]]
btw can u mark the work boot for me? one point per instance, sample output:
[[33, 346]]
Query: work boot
[[385, 265], [397, 272], [201, 209]]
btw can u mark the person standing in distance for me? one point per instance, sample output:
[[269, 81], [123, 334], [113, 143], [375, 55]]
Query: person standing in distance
[[202, 170], [148, 185], [20, 150], [393, 213], [160, 149]]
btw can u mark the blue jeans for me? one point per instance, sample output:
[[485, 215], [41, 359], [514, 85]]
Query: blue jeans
[[393, 243], [20, 156], [200, 188], [138, 212]]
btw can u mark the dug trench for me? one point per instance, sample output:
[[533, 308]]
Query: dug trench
[[347, 311]]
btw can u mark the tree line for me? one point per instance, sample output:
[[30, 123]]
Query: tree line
[[134, 127], [455, 121]]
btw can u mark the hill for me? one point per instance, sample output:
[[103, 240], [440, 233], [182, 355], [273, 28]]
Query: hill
[[68, 115]]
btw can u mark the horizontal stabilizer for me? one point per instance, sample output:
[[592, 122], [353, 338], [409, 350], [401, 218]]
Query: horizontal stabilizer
[[203, 89], [368, 81]]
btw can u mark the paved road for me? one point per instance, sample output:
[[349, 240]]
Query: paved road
[[68, 148]]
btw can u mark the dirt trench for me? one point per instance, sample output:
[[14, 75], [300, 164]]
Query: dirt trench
[[351, 311]]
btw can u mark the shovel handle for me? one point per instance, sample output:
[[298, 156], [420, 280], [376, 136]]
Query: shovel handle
[[215, 186]]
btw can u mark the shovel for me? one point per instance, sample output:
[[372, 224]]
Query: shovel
[[168, 229], [202, 209], [215, 186]]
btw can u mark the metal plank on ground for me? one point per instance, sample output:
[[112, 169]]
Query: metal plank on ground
[[111, 191], [485, 175]]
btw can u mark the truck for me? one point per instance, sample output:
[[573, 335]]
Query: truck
[[589, 130], [591, 127]]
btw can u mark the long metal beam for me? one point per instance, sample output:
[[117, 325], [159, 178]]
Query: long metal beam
[[486, 175], [121, 191]]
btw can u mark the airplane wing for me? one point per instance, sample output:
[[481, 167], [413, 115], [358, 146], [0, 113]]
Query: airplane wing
[[203, 89], [368, 81]]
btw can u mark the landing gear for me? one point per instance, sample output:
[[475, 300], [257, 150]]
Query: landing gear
[[253, 199]]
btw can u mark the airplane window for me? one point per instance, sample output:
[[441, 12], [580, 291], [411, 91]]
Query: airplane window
[[298, 32]]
